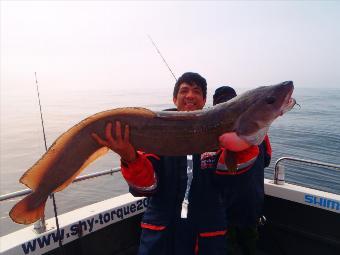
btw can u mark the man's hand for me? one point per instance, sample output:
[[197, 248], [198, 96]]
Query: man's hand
[[121, 145], [232, 142]]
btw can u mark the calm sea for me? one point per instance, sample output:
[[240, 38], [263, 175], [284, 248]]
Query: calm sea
[[309, 132]]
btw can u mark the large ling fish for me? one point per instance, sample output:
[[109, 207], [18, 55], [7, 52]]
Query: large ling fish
[[161, 132]]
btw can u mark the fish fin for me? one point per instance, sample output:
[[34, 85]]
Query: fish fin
[[232, 142], [28, 210], [97, 154], [33, 176], [230, 160], [120, 111]]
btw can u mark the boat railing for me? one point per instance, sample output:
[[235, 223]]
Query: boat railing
[[24, 192], [279, 179], [279, 169], [40, 225]]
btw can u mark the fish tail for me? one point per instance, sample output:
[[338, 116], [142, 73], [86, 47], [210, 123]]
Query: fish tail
[[29, 210]]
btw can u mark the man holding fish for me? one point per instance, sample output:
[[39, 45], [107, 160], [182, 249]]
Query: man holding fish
[[186, 213]]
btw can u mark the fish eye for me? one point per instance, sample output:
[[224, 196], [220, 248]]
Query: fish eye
[[270, 100]]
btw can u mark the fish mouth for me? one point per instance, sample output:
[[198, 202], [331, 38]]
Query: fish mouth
[[288, 103]]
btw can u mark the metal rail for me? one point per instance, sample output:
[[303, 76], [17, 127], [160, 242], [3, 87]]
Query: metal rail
[[279, 175], [78, 179], [278, 171]]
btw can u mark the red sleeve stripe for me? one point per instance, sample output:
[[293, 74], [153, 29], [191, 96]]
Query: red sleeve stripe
[[212, 234], [139, 173], [240, 166], [143, 188], [219, 172], [152, 227]]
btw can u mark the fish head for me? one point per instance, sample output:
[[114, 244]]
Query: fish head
[[261, 107]]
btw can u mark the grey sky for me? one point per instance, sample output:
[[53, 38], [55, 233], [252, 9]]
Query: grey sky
[[89, 45]]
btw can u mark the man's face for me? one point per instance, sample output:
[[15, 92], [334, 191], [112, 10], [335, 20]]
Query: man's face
[[189, 98]]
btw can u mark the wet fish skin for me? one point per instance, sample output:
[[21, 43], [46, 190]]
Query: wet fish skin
[[153, 132]]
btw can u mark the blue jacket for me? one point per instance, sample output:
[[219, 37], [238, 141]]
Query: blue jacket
[[244, 193], [204, 229]]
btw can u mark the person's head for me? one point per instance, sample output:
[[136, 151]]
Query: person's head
[[223, 94], [190, 92]]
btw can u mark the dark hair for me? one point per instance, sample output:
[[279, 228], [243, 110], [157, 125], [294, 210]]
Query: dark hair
[[223, 94], [192, 79]]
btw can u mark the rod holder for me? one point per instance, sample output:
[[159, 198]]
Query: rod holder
[[279, 178], [40, 225]]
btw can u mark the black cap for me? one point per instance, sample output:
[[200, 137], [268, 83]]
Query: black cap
[[223, 94]]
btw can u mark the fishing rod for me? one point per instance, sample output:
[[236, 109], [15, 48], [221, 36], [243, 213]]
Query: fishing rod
[[41, 115], [52, 195], [160, 54]]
